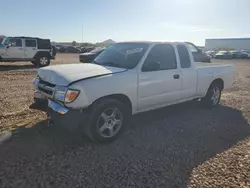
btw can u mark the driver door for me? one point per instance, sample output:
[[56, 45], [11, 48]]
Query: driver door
[[161, 85], [15, 49]]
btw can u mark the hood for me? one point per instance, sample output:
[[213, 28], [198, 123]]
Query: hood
[[65, 74]]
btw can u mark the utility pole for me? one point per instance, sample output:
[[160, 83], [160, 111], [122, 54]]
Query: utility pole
[[82, 34]]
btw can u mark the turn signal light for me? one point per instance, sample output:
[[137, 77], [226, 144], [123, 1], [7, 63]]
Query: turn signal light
[[71, 95]]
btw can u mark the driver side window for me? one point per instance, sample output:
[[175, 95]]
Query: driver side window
[[161, 57], [15, 42]]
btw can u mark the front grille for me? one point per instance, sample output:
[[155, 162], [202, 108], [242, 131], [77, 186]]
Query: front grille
[[49, 92], [46, 88], [46, 83]]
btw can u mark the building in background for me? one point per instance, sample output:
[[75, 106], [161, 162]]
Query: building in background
[[227, 44]]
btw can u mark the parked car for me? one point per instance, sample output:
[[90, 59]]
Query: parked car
[[246, 52], [211, 54], [87, 49], [60, 48], [128, 78], [72, 49], [38, 51], [88, 57], [198, 55], [238, 55], [223, 55]]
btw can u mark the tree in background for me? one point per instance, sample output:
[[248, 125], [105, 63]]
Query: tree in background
[[74, 43]]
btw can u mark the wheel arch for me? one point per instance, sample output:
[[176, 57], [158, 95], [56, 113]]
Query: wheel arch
[[218, 81], [119, 97], [40, 53]]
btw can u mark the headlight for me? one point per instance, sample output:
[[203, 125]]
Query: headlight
[[60, 93], [71, 95], [66, 95]]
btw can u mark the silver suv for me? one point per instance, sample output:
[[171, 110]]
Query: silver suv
[[38, 51]]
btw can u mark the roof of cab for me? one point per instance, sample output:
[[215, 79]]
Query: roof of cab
[[153, 42], [23, 37]]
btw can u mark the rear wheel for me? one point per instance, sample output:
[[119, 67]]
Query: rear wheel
[[107, 120], [213, 96], [42, 61]]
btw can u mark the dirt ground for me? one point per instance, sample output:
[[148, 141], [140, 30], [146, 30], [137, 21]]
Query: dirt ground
[[179, 146], [17, 92]]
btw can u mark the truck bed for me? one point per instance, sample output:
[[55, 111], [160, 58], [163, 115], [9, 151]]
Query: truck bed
[[207, 72], [202, 64]]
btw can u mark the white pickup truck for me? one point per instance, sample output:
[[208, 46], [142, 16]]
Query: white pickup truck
[[128, 78]]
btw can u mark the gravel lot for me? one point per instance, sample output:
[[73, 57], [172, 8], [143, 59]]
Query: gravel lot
[[178, 146]]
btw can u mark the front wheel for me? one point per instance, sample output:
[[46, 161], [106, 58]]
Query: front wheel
[[107, 120], [213, 96]]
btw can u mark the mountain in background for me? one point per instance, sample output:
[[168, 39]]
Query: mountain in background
[[107, 42]]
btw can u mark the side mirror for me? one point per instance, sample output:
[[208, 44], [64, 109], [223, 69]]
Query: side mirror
[[9, 45], [151, 66]]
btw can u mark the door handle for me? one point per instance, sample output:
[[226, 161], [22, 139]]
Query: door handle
[[20, 48], [176, 76]]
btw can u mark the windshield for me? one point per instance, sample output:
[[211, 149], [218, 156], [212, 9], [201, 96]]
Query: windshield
[[123, 55], [4, 41]]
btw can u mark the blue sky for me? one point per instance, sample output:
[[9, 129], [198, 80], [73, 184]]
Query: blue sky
[[122, 20]]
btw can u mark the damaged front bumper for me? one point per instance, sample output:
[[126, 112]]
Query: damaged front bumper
[[57, 107], [70, 119]]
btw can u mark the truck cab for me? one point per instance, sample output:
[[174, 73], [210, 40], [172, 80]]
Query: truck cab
[[38, 51]]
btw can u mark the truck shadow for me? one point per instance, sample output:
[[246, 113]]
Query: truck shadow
[[159, 148], [17, 67]]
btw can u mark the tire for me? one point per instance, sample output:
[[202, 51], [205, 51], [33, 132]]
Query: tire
[[108, 119], [42, 60], [213, 96], [53, 48]]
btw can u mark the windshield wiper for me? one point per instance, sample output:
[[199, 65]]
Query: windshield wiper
[[112, 64], [108, 63]]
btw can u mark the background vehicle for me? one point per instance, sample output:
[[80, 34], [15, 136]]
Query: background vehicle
[[72, 49], [198, 55], [60, 48], [38, 51], [128, 78], [246, 52], [88, 57], [87, 49], [223, 55], [211, 54], [238, 55]]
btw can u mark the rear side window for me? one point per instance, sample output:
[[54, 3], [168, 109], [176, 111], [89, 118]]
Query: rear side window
[[43, 44], [192, 47], [30, 43], [16, 42], [184, 56], [164, 54]]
